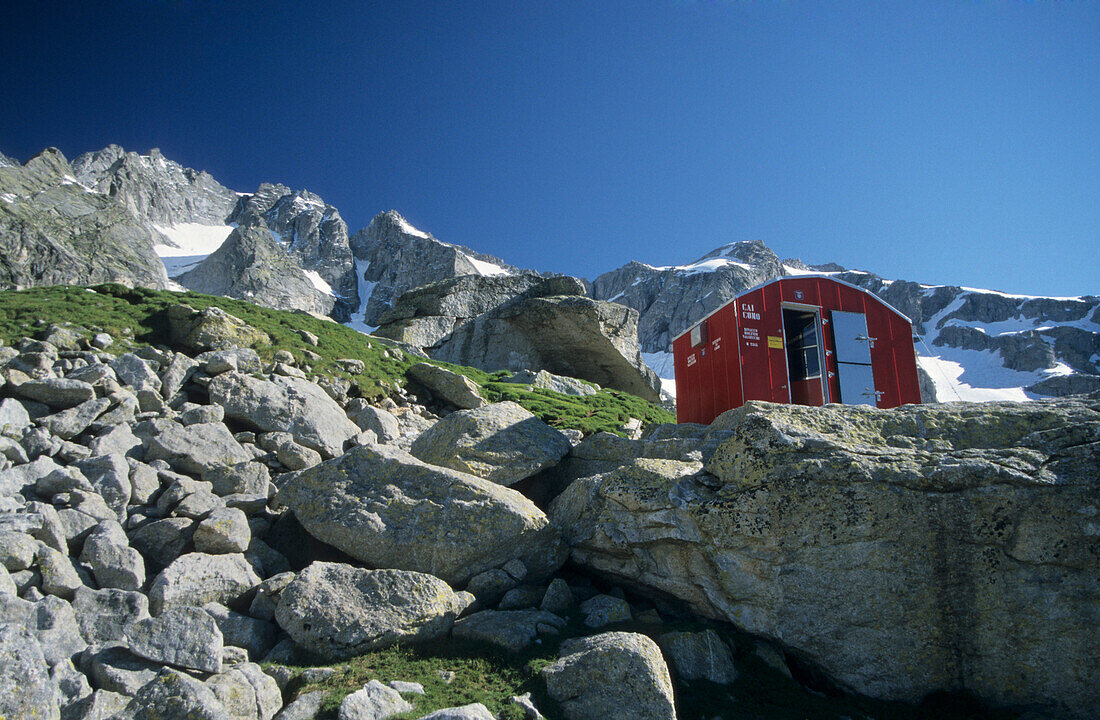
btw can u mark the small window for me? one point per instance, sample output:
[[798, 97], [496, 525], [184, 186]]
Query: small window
[[699, 335]]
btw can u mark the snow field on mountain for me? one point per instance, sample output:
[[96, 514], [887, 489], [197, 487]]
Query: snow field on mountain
[[980, 375], [192, 243], [408, 229]]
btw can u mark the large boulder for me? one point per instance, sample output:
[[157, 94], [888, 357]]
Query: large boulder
[[614, 676], [511, 630], [501, 442], [448, 386], [247, 692], [550, 381], [473, 711], [106, 615], [196, 579], [565, 334], [58, 393], [699, 655], [374, 701], [193, 448], [386, 508], [107, 553], [891, 548], [339, 611], [421, 332], [285, 404], [461, 297], [54, 625], [186, 637], [426, 315], [211, 329]]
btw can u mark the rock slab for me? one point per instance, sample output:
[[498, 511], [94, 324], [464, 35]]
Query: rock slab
[[890, 547], [502, 442], [285, 404], [385, 508]]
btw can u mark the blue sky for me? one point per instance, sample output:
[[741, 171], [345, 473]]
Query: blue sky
[[941, 142]]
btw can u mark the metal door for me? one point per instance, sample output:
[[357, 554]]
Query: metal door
[[850, 334], [857, 384], [853, 354]]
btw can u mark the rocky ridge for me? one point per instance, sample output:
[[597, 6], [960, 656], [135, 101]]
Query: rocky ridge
[[395, 257], [981, 344], [285, 249], [312, 233], [152, 187], [669, 300]]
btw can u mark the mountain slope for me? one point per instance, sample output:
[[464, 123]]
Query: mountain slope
[[251, 265], [190, 215], [54, 230]]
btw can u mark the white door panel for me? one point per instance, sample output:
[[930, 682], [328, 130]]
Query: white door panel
[[850, 333], [857, 384]]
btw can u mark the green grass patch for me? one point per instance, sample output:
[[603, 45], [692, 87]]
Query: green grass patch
[[453, 673], [139, 316]]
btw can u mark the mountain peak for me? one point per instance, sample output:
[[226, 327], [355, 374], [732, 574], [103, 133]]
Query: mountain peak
[[154, 187], [393, 221]]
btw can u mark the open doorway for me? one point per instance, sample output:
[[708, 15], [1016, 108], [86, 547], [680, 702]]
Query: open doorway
[[802, 330]]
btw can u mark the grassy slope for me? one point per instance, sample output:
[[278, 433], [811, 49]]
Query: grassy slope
[[139, 314]]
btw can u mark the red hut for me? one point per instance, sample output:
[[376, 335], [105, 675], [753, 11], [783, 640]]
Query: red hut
[[807, 340]]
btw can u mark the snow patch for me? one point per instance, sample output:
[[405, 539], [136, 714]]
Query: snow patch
[[190, 244], [301, 201], [980, 376], [70, 180], [663, 364], [8, 197], [711, 265], [487, 268], [358, 318], [1017, 297], [278, 239], [319, 282], [408, 229]]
